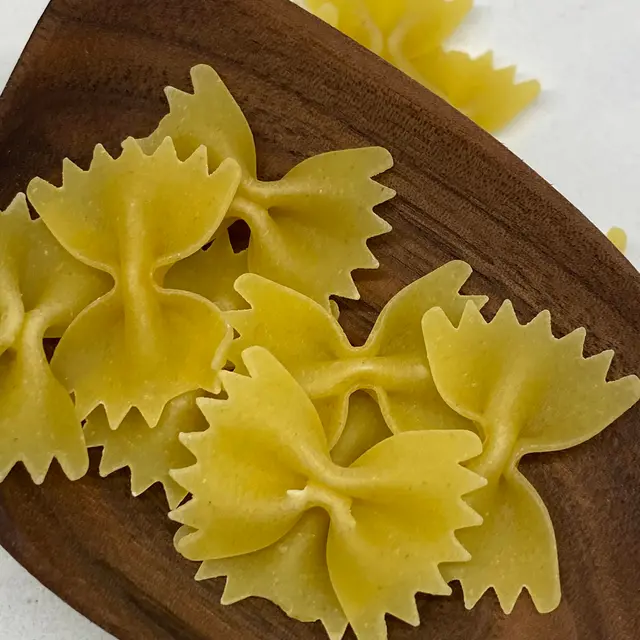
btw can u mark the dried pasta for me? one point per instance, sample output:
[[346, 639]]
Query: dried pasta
[[41, 288], [618, 238], [148, 453], [293, 572], [308, 230], [365, 427], [211, 273], [409, 34], [527, 392], [133, 217], [264, 464], [392, 364]]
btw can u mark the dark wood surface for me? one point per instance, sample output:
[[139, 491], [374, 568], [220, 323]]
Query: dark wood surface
[[94, 72]]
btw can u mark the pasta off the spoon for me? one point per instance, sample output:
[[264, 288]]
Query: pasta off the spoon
[[410, 34]]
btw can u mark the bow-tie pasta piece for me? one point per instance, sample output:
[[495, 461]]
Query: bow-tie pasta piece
[[41, 287], [410, 35], [264, 463], [490, 97], [133, 217], [392, 364], [308, 230], [527, 392], [148, 453], [211, 273], [292, 572]]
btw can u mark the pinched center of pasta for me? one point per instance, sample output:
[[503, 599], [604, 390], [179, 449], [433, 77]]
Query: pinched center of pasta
[[392, 364], [498, 451], [368, 372], [334, 502]]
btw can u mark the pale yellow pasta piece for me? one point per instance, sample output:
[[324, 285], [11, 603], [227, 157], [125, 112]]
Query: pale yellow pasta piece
[[308, 230], [392, 364], [148, 453], [264, 465], [140, 345], [41, 287], [409, 34], [293, 572], [211, 273], [490, 97], [618, 238], [527, 392]]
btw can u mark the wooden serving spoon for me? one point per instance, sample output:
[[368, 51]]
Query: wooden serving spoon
[[94, 72]]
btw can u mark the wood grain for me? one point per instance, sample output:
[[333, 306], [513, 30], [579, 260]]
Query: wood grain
[[94, 72]]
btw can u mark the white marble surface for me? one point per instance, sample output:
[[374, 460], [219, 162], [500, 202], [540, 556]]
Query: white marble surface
[[586, 53]]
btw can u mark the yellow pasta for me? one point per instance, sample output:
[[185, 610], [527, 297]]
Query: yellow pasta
[[392, 364], [365, 427], [292, 572], [618, 238], [308, 230], [133, 217], [409, 34], [211, 273], [41, 288], [526, 391], [148, 453], [264, 464]]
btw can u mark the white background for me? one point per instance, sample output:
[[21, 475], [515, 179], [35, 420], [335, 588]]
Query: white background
[[583, 136]]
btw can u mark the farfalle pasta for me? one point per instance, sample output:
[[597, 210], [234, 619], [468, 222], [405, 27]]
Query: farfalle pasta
[[264, 464], [42, 288], [292, 572], [409, 34], [148, 453], [133, 217], [526, 392], [308, 230], [308, 340]]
